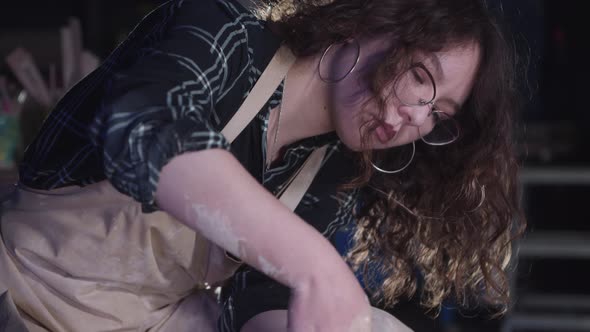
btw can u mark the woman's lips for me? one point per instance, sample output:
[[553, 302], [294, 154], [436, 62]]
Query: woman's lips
[[385, 133]]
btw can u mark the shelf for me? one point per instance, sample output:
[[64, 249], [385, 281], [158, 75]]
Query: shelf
[[540, 301], [548, 322], [551, 244], [555, 175], [559, 311]]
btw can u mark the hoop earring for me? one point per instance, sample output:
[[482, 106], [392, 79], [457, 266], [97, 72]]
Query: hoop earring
[[400, 169], [328, 80]]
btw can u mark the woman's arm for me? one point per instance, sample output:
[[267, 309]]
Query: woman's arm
[[213, 194]]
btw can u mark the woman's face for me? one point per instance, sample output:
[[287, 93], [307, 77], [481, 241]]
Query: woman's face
[[453, 71]]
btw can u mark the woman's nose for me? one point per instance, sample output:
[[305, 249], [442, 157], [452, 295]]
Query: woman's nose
[[415, 115]]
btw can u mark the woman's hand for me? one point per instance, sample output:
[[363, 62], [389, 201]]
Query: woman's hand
[[334, 302], [276, 321]]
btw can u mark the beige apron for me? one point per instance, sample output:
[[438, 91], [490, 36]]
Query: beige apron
[[88, 259]]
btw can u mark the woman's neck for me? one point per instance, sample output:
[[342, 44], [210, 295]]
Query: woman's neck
[[304, 108]]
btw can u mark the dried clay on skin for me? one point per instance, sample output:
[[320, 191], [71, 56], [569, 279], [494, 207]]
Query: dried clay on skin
[[268, 268], [211, 219]]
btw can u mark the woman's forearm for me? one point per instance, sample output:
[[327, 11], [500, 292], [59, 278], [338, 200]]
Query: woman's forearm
[[212, 193]]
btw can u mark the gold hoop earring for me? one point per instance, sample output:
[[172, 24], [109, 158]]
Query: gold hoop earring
[[329, 80], [399, 169]]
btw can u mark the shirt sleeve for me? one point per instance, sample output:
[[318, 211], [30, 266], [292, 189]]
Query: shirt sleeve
[[160, 101]]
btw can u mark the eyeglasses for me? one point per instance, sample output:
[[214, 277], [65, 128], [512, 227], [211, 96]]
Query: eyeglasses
[[416, 87]]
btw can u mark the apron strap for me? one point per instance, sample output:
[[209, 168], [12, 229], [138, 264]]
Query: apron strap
[[270, 79]]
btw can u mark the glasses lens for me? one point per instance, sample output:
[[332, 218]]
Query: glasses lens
[[414, 87], [445, 129]]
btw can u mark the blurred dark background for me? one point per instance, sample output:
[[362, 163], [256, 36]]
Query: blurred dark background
[[550, 279], [35, 24]]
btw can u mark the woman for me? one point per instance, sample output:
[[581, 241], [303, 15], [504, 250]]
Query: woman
[[412, 100]]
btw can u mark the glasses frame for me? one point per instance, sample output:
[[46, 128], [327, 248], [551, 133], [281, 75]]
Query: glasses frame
[[423, 103]]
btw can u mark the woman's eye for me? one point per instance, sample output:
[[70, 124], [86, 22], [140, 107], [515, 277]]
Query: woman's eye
[[417, 76]]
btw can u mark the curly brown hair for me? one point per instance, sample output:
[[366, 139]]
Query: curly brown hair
[[449, 219]]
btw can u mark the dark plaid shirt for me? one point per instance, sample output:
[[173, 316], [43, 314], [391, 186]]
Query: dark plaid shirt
[[169, 88]]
